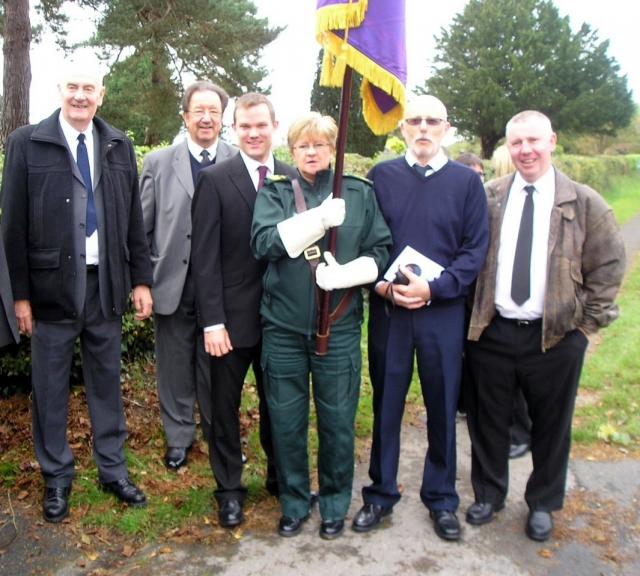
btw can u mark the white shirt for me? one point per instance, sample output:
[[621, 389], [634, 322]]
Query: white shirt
[[435, 164], [71, 136], [196, 149], [543, 200], [252, 167]]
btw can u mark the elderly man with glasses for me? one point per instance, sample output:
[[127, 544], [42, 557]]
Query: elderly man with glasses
[[167, 186], [437, 210]]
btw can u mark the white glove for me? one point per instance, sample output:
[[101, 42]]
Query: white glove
[[302, 230], [331, 276], [333, 211]]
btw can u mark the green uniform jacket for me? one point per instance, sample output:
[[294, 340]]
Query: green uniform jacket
[[288, 298]]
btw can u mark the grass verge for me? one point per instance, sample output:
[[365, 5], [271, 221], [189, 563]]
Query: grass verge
[[609, 396]]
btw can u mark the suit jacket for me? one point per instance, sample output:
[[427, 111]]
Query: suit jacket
[[8, 326], [44, 207], [227, 278], [166, 188]]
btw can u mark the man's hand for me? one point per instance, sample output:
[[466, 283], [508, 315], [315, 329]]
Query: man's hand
[[217, 342], [24, 316], [412, 296], [142, 302]]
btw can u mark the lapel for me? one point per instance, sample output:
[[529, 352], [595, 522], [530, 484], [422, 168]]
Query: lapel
[[563, 207], [239, 176], [97, 161], [182, 167]]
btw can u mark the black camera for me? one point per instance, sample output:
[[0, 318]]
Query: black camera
[[402, 279]]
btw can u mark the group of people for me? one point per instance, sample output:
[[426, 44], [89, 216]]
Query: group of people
[[231, 250]]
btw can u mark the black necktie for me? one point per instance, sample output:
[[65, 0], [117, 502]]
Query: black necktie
[[422, 170], [205, 158], [521, 278], [262, 174], [82, 158]]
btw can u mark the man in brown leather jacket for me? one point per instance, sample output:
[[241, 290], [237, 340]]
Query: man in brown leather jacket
[[553, 269]]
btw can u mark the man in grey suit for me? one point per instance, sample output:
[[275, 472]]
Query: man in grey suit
[[75, 242], [8, 326], [166, 187]]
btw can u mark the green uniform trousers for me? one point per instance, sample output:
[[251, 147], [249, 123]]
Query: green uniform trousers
[[287, 360]]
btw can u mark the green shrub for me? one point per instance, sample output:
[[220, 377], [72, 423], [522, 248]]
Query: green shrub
[[15, 361]]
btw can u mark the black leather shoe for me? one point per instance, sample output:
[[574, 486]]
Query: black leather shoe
[[175, 458], [480, 513], [539, 525], [126, 491], [230, 514], [291, 526], [518, 450], [446, 524], [330, 529], [55, 505], [369, 516]]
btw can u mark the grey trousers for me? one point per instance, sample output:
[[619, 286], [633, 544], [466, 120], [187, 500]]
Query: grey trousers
[[52, 346], [182, 371]]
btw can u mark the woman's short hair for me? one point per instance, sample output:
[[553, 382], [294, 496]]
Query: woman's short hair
[[313, 124]]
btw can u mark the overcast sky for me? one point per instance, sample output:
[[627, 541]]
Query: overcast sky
[[291, 58]]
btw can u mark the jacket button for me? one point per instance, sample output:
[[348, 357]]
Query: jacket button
[[185, 261]]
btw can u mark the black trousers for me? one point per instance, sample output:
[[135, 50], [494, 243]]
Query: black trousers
[[508, 359], [225, 451]]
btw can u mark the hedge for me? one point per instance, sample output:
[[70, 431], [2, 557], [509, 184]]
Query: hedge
[[137, 338]]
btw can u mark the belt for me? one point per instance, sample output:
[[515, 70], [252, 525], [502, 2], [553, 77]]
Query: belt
[[517, 322]]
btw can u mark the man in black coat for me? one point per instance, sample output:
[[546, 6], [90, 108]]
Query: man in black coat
[[228, 284], [75, 245]]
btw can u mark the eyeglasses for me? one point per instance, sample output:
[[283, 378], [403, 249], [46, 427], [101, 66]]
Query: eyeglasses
[[201, 113], [319, 147], [418, 121]]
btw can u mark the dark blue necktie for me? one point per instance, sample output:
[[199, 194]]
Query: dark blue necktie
[[422, 170], [83, 165], [521, 278]]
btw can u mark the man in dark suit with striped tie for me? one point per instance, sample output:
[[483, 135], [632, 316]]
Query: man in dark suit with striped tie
[[228, 284]]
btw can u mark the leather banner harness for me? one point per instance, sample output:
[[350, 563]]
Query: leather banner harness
[[312, 255]]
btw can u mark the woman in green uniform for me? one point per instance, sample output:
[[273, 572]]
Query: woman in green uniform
[[289, 233]]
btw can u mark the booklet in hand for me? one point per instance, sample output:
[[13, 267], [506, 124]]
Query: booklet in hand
[[419, 264]]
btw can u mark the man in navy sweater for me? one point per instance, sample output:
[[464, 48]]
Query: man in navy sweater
[[439, 209]]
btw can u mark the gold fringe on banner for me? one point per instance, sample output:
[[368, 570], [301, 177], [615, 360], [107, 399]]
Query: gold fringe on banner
[[341, 16], [337, 55]]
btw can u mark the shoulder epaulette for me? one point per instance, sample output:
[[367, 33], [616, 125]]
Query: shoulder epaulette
[[356, 177], [279, 178]]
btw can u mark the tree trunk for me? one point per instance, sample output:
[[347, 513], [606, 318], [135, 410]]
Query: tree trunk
[[17, 67], [488, 144]]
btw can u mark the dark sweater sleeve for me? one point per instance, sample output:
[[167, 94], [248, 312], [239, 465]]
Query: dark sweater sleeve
[[470, 254]]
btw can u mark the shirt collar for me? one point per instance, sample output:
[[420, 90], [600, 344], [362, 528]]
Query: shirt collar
[[252, 164], [196, 149], [543, 184], [436, 163], [71, 134]]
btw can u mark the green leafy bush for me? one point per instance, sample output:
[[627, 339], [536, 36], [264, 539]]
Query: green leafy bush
[[15, 361]]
